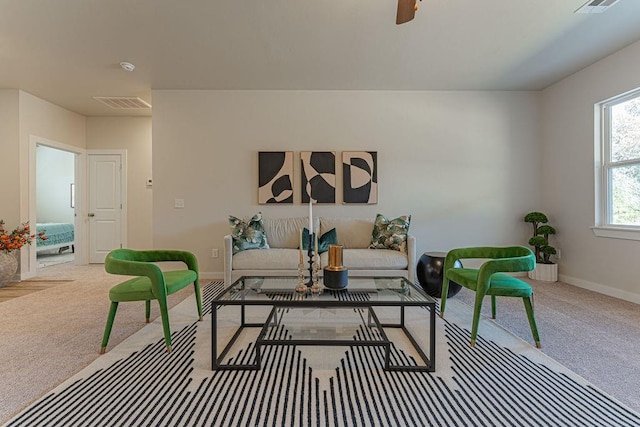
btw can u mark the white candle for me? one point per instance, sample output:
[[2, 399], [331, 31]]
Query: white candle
[[301, 258], [315, 249], [310, 217]]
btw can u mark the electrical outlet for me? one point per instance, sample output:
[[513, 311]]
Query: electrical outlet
[[214, 253], [558, 253], [178, 203]]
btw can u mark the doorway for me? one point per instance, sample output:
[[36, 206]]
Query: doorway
[[28, 262], [55, 205]]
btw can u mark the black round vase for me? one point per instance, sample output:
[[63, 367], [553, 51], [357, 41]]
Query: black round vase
[[335, 279], [429, 272]]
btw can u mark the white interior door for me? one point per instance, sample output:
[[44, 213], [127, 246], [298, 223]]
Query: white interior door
[[105, 213]]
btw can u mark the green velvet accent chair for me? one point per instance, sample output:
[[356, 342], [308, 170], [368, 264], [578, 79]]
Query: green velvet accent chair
[[151, 283], [490, 279]]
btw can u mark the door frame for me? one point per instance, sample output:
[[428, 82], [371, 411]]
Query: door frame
[[123, 193], [80, 242]]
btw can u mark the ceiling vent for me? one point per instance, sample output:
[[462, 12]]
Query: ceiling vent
[[596, 6], [123, 102]]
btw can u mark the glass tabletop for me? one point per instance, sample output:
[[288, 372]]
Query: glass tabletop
[[364, 290]]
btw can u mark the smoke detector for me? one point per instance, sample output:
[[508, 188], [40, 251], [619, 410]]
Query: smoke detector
[[127, 66], [596, 6]]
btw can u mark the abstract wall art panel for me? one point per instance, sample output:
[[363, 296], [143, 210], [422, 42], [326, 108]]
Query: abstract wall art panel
[[318, 176], [360, 177], [275, 177]]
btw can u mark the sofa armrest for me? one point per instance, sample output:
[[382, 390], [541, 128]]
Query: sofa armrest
[[411, 258], [228, 259]]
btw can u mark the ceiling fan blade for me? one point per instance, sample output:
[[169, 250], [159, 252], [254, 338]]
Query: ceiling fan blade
[[406, 11]]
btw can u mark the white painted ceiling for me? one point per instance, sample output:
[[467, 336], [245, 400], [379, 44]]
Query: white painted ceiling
[[67, 51]]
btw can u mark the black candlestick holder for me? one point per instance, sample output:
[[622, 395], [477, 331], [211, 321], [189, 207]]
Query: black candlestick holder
[[310, 253]]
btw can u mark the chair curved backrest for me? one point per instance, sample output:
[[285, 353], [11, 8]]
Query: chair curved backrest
[[120, 261], [508, 259], [132, 262], [513, 258]]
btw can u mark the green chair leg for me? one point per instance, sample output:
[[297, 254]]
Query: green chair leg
[[196, 286], [443, 296], [164, 314], [147, 310], [107, 329], [532, 320], [493, 306], [476, 319]]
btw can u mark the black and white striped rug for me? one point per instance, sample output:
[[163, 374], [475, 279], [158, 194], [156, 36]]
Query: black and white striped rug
[[503, 381]]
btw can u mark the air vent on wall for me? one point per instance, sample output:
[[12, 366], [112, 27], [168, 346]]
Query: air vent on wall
[[596, 6], [123, 102]]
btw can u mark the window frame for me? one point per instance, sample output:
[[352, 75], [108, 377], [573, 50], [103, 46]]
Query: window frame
[[603, 210]]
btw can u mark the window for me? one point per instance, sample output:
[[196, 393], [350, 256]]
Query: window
[[618, 168]]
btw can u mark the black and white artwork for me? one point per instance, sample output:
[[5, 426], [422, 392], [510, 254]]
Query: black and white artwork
[[318, 176], [275, 177], [360, 177]]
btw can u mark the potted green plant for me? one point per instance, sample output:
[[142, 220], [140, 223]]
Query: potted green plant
[[546, 270]]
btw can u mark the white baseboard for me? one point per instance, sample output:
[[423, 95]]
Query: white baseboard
[[602, 289]]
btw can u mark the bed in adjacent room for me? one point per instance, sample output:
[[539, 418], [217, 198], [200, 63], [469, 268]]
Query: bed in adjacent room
[[60, 236]]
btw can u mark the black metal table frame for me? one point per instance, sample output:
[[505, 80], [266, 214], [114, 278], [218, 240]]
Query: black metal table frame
[[217, 361]]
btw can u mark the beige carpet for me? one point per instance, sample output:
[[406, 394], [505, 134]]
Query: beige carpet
[[51, 258], [594, 335], [49, 335]]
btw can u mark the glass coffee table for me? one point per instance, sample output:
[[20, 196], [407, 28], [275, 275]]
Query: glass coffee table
[[349, 317]]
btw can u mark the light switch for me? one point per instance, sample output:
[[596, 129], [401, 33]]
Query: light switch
[[179, 204]]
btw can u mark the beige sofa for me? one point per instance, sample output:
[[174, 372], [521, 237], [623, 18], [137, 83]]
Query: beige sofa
[[283, 236]]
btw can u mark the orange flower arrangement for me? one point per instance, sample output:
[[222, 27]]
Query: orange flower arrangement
[[17, 238]]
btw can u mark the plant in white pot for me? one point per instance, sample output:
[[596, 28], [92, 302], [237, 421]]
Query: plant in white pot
[[546, 270]]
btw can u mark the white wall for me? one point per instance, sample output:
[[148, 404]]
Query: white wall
[[55, 172], [134, 135], [603, 264], [10, 148], [465, 165]]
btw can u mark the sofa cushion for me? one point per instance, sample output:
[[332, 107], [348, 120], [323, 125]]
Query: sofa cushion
[[285, 232], [328, 238], [353, 259], [390, 233], [352, 233], [248, 234], [273, 259], [369, 259]]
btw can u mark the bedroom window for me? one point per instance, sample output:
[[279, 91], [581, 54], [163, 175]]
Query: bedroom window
[[618, 167]]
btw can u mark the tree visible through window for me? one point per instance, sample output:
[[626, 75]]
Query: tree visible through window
[[621, 165]]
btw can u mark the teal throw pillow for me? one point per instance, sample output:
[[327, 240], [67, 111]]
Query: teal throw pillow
[[390, 234], [328, 238], [248, 235]]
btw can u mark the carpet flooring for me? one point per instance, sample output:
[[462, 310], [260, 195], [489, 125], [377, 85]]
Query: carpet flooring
[[502, 381], [54, 332], [51, 258], [595, 335]]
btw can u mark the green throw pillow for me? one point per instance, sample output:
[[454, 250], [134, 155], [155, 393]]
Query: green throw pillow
[[248, 235], [328, 238], [390, 234]]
